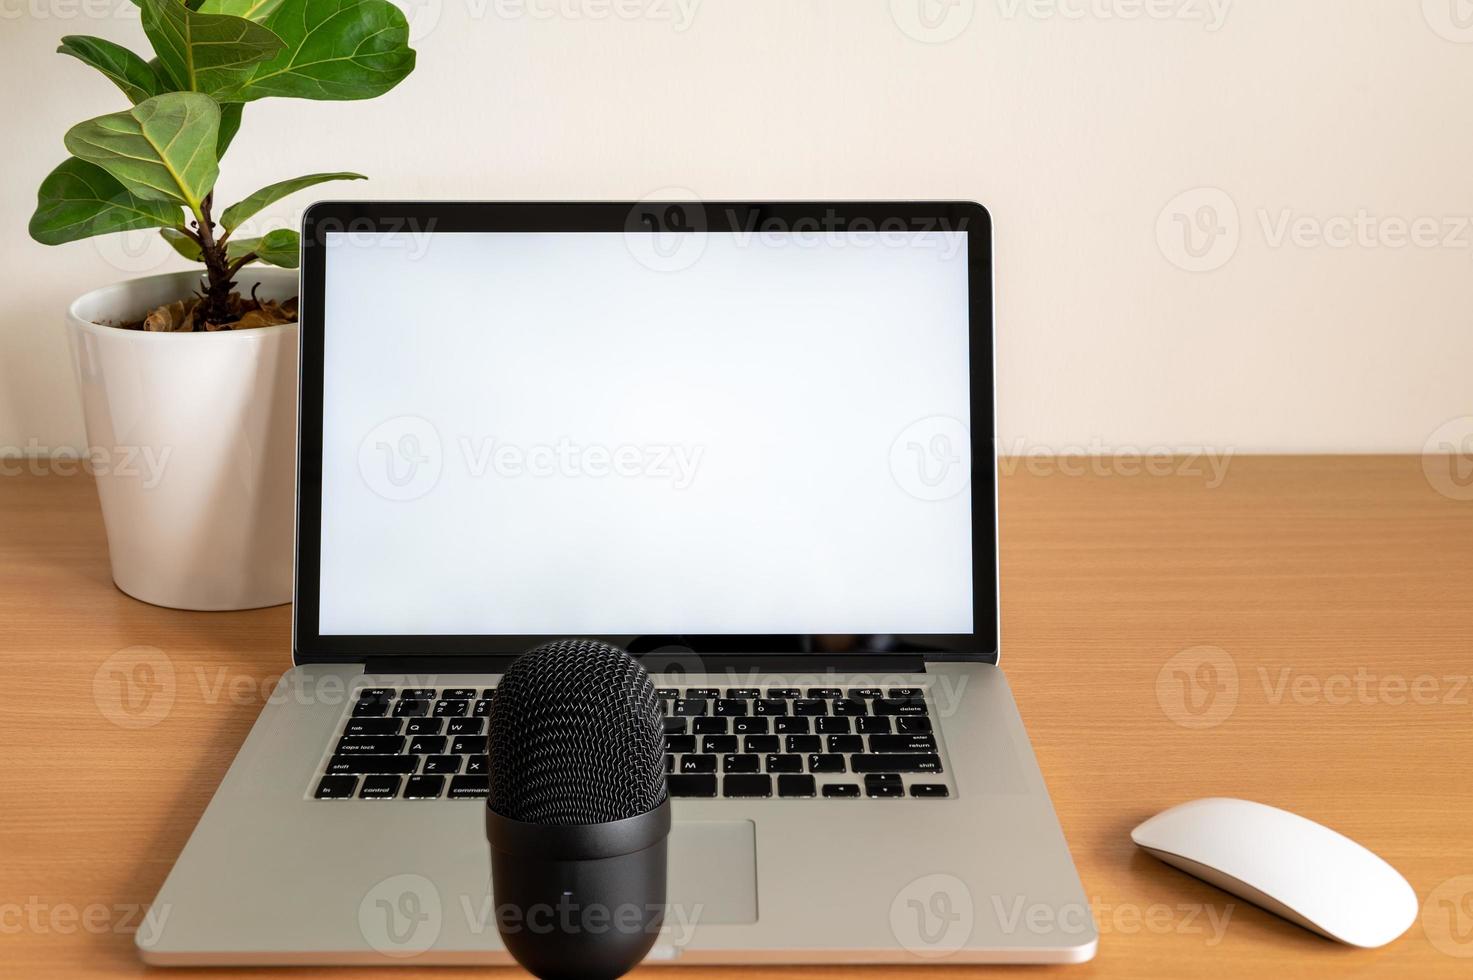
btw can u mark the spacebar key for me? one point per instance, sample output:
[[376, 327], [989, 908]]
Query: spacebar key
[[896, 762], [691, 784]]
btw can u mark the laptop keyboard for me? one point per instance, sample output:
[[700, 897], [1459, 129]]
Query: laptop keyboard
[[737, 743]]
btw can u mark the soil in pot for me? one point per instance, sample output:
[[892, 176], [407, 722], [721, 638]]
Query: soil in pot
[[183, 316]]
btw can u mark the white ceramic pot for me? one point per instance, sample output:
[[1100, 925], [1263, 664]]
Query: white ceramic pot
[[193, 443]]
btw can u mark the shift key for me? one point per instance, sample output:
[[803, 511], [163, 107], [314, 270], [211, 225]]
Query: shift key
[[363, 765], [896, 762]]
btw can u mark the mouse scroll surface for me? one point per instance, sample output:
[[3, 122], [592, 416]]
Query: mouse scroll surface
[[1287, 864]]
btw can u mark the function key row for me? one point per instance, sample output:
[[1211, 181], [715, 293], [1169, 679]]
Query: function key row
[[791, 693]]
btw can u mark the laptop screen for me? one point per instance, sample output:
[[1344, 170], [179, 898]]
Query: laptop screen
[[595, 433]]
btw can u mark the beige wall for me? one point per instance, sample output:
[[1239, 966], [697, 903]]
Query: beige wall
[[1328, 142]]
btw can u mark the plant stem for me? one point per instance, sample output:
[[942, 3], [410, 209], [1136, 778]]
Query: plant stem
[[215, 308]]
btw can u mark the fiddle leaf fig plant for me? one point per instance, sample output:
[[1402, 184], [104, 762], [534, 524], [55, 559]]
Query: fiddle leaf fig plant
[[155, 164]]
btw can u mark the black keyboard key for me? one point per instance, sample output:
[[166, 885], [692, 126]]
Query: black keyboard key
[[749, 726], [708, 726], [424, 787], [745, 693], [913, 725], [810, 707], [698, 763], [785, 692], [907, 693], [447, 765], [427, 745], [452, 709], [482, 709], [846, 743], [741, 763], [850, 708], [825, 692], [688, 708], [363, 765], [769, 707], [730, 708], [691, 785], [784, 763], [719, 743], [379, 787], [376, 694], [902, 743], [488, 693], [468, 745], [680, 743], [669, 763], [796, 786], [419, 693], [791, 726], [373, 726], [459, 694], [370, 709], [746, 786], [370, 745], [469, 787], [475, 765], [831, 726], [844, 790], [881, 790], [667, 693], [864, 693], [873, 726], [467, 726], [336, 787], [932, 790], [424, 726], [897, 762], [890, 706], [702, 692], [762, 743], [823, 762], [675, 726], [803, 743], [405, 708]]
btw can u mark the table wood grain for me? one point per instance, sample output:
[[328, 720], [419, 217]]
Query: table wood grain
[[1295, 630]]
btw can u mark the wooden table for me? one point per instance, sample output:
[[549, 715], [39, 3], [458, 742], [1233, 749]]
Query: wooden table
[[1336, 590]]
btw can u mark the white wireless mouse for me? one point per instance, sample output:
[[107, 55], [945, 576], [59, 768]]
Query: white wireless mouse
[[1291, 866]]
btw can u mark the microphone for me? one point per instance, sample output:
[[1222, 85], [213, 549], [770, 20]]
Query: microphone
[[578, 813]]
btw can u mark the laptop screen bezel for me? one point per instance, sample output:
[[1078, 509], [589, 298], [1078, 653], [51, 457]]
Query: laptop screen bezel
[[410, 217]]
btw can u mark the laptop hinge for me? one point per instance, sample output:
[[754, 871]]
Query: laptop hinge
[[737, 665]]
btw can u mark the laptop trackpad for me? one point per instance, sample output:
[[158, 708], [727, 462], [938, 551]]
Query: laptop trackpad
[[713, 872]]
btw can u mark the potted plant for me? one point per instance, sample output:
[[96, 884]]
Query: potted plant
[[188, 380]]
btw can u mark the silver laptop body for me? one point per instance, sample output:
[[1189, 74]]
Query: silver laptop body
[[737, 439]]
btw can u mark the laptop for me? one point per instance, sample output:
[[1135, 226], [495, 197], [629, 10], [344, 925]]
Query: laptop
[[751, 443]]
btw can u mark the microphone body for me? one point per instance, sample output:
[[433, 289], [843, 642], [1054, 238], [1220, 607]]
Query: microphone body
[[578, 815]]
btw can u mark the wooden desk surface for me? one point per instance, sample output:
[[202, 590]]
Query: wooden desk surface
[[1336, 590]]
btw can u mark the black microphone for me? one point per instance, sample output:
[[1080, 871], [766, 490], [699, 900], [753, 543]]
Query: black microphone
[[578, 812]]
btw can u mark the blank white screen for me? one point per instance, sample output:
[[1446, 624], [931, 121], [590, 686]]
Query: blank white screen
[[777, 375]]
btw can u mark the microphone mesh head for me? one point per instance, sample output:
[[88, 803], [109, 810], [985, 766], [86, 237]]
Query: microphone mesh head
[[575, 737]]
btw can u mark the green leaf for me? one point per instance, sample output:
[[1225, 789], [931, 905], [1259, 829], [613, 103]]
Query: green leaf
[[229, 126], [281, 247], [268, 195], [256, 10], [79, 199], [183, 244], [206, 53], [335, 49], [161, 150], [126, 70]]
